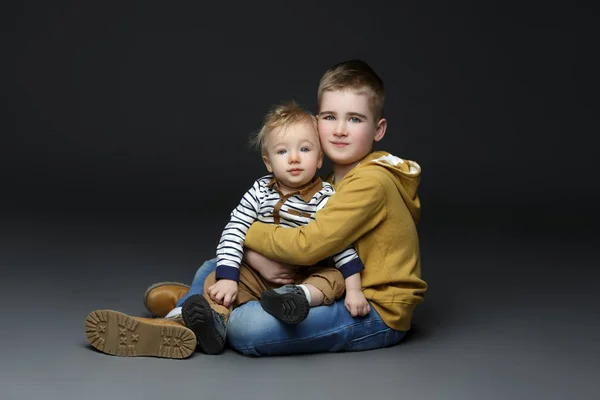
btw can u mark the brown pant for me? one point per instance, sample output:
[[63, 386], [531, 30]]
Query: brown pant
[[251, 285]]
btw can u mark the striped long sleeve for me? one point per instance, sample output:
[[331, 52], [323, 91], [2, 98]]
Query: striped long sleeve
[[230, 250]]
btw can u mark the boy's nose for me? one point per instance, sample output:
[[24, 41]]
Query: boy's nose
[[340, 130]]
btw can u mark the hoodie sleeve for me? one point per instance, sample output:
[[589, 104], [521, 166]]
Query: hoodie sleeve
[[354, 210]]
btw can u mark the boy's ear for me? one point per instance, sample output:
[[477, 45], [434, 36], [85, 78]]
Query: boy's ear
[[267, 163], [380, 129]]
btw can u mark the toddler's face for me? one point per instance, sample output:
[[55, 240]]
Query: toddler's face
[[293, 155]]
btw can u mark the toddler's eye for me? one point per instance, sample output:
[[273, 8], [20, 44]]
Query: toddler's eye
[[281, 152], [305, 149]]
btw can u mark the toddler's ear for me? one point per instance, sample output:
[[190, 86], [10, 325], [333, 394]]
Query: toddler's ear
[[320, 162], [267, 164]]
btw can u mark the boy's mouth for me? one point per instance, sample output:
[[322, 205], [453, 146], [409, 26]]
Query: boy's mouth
[[340, 144]]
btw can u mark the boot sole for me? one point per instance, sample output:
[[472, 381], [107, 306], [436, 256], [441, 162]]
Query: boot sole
[[197, 315], [288, 308], [118, 334], [159, 284]]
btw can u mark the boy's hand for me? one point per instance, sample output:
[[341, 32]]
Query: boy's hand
[[224, 292], [271, 270], [356, 303]]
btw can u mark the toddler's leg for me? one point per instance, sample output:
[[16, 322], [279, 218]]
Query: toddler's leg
[[206, 318], [327, 283], [291, 303], [251, 285]]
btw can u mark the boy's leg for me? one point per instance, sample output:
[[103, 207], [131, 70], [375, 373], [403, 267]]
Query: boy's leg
[[160, 299], [254, 332], [119, 334], [198, 282]]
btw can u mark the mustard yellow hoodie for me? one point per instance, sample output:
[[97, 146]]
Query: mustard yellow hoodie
[[375, 208]]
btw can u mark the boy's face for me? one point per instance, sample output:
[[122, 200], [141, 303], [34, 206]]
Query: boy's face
[[293, 154], [347, 127]]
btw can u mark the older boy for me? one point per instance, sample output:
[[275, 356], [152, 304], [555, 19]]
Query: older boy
[[376, 208]]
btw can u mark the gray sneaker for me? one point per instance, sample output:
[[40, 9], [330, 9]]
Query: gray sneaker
[[287, 303], [208, 325]]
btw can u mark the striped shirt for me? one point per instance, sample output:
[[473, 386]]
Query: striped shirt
[[265, 203]]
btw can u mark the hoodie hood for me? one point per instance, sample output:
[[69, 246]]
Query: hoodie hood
[[405, 174]]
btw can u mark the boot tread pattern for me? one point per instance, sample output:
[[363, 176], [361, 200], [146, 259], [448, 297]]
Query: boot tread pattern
[[119, 334]]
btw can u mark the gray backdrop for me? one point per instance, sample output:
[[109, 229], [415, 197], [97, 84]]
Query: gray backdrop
[[120, 118]]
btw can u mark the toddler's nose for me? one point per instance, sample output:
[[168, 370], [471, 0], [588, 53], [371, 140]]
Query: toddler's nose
[[294, 158]]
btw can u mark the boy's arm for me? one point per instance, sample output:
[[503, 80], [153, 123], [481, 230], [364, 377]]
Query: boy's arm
[[349, 214], [230, 249]]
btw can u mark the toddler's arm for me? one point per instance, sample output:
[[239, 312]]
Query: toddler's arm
[[350, 266], [355, 301], [224, 292], [231, 246]]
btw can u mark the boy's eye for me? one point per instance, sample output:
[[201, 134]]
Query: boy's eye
[[281, 152], [329, 118], [355, 119]]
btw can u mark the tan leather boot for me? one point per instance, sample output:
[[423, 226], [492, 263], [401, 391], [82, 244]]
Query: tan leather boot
[[162, 297], [119, 334]]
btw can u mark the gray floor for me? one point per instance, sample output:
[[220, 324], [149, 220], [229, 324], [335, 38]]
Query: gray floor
[[507, 316]]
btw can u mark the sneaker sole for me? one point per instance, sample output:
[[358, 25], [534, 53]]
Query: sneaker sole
[[197, 315], [118, 334], [288, 308]]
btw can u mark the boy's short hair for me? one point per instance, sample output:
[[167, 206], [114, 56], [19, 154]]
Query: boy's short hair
[[281, 116], [358, 76]]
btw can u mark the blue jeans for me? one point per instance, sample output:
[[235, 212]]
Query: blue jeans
[[254, 332]]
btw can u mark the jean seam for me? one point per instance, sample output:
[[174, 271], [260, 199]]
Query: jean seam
[[386, 331]]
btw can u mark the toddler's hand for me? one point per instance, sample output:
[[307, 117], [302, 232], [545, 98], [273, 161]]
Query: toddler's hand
[[223, 292], [356, 303]]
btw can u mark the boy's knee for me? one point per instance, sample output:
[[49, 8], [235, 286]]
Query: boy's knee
[[248, 327]]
